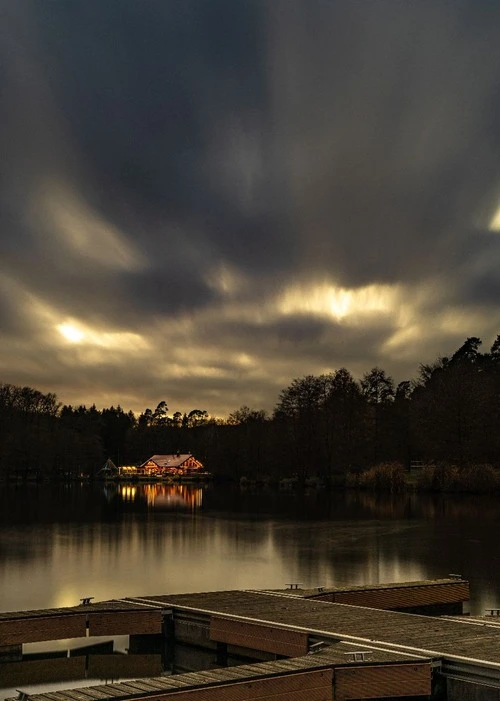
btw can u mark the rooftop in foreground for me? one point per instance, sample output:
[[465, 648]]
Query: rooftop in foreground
[[324, 640], [338, 656]]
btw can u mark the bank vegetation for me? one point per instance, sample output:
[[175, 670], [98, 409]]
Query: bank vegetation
[[438, 431]]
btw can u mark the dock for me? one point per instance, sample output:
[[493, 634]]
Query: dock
[[312, 677], [305, 639]]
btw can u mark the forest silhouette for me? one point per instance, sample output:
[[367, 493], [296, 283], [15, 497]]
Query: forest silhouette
[[329, 426]]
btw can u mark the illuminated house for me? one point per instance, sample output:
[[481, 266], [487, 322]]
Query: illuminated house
[[176, 464]]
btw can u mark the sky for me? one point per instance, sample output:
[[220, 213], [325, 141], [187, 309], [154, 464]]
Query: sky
[[201, 200]]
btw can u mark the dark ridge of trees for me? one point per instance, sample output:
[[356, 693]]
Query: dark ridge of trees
[[326, 425]]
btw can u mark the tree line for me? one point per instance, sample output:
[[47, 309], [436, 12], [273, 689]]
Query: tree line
[[325, 425]]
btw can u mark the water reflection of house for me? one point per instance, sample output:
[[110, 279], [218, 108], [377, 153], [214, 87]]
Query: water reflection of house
[[175, 465], [173, 496]]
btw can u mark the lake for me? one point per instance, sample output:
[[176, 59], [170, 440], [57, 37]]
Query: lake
[[59, 543]]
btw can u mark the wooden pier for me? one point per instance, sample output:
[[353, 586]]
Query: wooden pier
[[102, 618], [439, 597], [333, 650], [332, 673]]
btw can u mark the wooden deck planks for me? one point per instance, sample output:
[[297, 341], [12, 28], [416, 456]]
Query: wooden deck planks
[[477, 638], [324, 660], [442, 636], [113, 606], [91, 693]]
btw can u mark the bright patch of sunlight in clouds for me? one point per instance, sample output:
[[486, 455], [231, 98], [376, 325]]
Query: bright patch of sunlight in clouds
[[115, 340], [55, 331], [453, 320], [86, 231], [244, 360], [339, 302], [402, 339], [71, 333], [205, 363], [495, 222]]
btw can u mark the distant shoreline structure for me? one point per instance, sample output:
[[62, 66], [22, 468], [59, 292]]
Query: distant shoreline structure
[[171, 467]]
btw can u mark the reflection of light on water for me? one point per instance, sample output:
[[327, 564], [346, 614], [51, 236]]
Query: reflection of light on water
[[67, 595], [128, 492], [161, 495], [173, 495], [81, 677], [120, 644]]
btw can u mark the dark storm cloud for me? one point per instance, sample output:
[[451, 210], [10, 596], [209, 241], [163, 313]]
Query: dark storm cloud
[[396, 143], [147, 92], [472, 269], [187, 174], [10, 321], [298, 339], [167, 290], [484, 292]]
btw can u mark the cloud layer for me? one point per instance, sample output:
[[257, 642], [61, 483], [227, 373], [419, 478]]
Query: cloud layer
[[201, 201]]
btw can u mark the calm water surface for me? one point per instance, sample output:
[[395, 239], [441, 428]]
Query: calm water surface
[[60, 543]]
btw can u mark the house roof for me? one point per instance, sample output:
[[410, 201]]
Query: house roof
[[172, 460], [109, 466]]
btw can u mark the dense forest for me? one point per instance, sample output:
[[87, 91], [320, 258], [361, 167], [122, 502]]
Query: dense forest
[[324, 425]]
